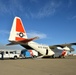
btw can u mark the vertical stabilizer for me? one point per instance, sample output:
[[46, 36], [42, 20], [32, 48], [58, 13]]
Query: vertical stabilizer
[[17, 32]]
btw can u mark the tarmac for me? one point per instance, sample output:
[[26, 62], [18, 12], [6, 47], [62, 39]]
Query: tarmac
[[66, 66]]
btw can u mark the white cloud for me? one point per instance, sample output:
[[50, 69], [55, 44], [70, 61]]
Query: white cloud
[[46, 10], [29, 34], [4, 32], [34, 34], [13, 47], [11, 7], [35, 1], [17, 7], [69, 3], [73, 17]]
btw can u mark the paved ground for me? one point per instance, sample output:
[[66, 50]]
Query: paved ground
[[38, 66]]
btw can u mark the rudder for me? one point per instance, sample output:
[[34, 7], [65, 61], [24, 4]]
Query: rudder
[[17, 32]]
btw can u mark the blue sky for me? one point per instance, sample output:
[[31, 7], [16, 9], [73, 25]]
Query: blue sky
[[54, 21]]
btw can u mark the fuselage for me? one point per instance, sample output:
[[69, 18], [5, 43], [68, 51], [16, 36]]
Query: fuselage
[[43, 49]]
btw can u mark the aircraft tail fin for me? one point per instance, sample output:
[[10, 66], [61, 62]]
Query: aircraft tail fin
[[17, 32]]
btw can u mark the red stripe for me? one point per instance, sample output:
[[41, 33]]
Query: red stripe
[[19, 38], [19, 26], [31, 52], [63, 53]]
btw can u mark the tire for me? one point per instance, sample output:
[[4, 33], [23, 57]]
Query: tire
[[53, 56], [15, 57], [34, 56], [60, 56]]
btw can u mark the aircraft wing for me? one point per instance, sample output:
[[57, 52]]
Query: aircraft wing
[[62, 45]]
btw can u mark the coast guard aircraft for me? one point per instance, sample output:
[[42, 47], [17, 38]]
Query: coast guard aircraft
[[18, 36]]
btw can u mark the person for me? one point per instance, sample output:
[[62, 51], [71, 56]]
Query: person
[[2, 53]]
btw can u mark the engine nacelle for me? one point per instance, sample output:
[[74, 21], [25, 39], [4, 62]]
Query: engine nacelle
[[66, 48]]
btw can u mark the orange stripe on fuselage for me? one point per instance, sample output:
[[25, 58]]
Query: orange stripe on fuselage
[[31, 52], [19, 38], [63, 53], [19, 26]]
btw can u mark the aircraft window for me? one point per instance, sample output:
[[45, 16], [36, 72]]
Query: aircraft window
[[39, 47], [45, 47]]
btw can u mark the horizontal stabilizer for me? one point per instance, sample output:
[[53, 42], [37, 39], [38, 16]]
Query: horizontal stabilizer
[[22, 41], [28, 40], [12, 43]]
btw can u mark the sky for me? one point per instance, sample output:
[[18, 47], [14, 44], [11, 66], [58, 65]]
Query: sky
[[54, 21]]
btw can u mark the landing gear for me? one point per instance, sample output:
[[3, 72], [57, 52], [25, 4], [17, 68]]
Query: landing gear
[[53, 56], [61, 56]]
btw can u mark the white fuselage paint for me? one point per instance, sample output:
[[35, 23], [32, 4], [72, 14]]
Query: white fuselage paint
[[41, 48]]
